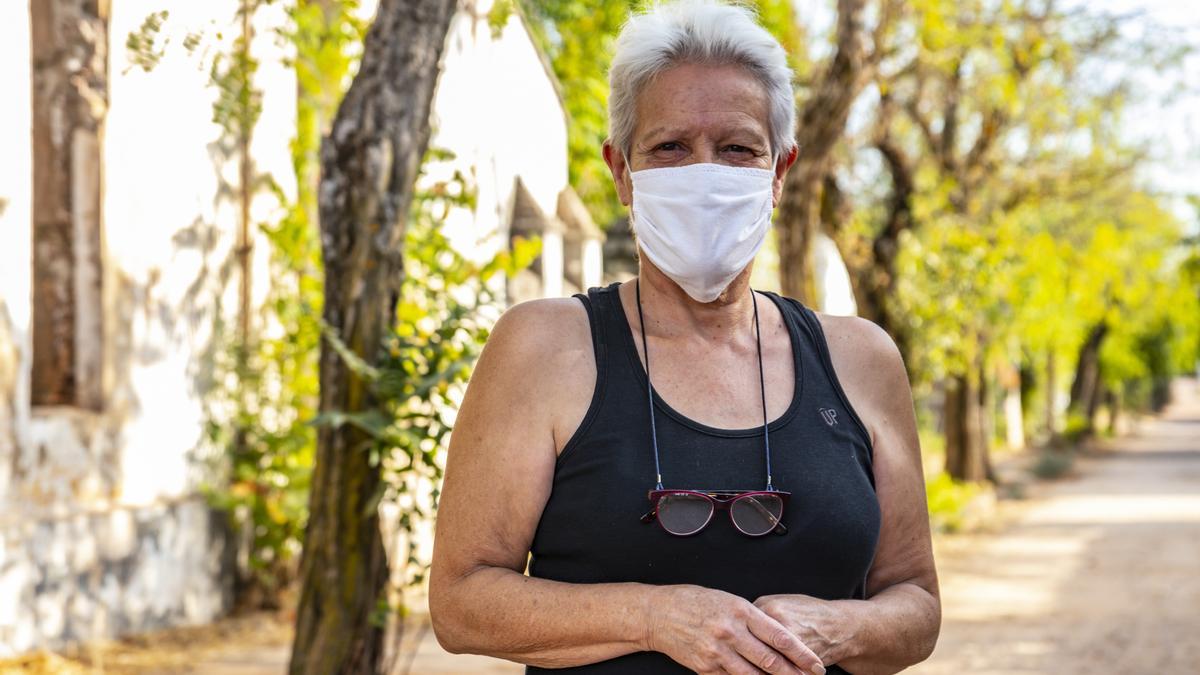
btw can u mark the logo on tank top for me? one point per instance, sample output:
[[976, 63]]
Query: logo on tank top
[[829, 415]]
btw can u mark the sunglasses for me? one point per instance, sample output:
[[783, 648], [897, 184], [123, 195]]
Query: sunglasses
[[685, 512]]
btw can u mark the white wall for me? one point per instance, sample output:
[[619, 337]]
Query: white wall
[[171, 231], [835, 292], [496, 109], [169, 226], [15, 223]]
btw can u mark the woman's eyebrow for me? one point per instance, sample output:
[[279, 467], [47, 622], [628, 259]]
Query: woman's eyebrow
[[662, 131], [745, 130], [673, 132]]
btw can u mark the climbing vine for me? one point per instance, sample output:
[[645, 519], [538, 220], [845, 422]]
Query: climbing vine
[[262, 411]]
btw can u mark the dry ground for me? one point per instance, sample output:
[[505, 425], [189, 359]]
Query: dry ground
[[1098, 572]]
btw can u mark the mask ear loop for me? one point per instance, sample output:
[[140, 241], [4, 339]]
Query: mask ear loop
[[637, 285]]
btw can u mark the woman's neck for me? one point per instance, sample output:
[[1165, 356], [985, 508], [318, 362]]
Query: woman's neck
[[670, 312]]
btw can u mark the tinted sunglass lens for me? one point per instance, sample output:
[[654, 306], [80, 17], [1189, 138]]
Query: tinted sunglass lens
[[682, 513], [757, 515]]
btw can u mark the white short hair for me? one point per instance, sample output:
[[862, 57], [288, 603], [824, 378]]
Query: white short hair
[[704, 32]]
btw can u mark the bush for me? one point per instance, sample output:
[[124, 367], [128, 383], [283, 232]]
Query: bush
[[950, 502], [1053, 463]]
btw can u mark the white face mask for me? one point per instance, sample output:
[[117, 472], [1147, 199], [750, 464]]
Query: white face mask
[[701, 224]]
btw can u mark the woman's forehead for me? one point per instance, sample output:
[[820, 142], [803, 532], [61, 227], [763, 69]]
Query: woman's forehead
[[691, 97]]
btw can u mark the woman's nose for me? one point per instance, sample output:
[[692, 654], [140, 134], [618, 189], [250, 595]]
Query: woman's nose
[[703, 154]]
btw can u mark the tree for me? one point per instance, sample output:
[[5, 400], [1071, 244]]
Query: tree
[[821, 125], [577, 36], [973, 124], [369, 164]]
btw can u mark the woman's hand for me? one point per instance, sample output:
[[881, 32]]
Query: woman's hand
[[712, 631], [819, 624]]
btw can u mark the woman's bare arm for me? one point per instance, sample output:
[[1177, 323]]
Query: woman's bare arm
[[498, 475], [897, 626], [524, 400]]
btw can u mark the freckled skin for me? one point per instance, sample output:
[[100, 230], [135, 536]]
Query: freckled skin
[[701, 112], [520, 410]]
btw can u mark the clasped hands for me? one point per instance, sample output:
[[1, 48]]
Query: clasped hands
[[711, 631]]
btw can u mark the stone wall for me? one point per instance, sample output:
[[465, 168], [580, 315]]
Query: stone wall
[[105, 574]]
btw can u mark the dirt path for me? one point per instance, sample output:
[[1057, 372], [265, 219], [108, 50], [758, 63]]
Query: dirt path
[[1100, 573]]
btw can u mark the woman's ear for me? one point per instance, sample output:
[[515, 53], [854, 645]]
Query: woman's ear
[[619, 169], [782, 165]]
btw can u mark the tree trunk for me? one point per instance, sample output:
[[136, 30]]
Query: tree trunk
[[1085, 389], [1051, 391], [966, 448], [796, 225], [1114, 411], [369, 162], [822, 123], [879, 279], [246, 180], [987, 420], [70, 101]]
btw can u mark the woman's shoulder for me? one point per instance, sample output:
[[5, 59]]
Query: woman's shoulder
[[868, 364], [542, 337], [539, 359], [863, 338], [544, 323], [852, 340]]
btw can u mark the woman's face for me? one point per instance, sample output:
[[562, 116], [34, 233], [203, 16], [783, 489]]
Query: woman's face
[[695, 113]]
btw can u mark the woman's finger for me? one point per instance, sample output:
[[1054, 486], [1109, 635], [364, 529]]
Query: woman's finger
[[736, 663], [762, 656], [772, 634]]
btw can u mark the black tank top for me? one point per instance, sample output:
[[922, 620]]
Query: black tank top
[[590, 530]]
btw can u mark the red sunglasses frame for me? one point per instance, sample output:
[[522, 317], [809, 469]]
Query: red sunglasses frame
[[718, 500]]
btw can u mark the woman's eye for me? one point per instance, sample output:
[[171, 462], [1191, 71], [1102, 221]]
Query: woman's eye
[[738, 148], [668, 146]]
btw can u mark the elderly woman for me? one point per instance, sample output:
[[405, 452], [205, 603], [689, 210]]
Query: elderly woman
[[700, 477]]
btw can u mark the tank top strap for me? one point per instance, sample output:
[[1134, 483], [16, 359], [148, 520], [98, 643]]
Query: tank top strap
[[593, 303], [595, 324], [823, 375], [602, 306]]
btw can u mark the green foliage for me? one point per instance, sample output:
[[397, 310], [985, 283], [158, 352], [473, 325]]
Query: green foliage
[[447, 306], [265, 412], [142, 45], [950, 502], [327, 38], [263, 408], [269, 468], [578, 38], [269, 386], [1074, 432], [262, 479], [239, 102], [1027, 239], [498, 16]]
